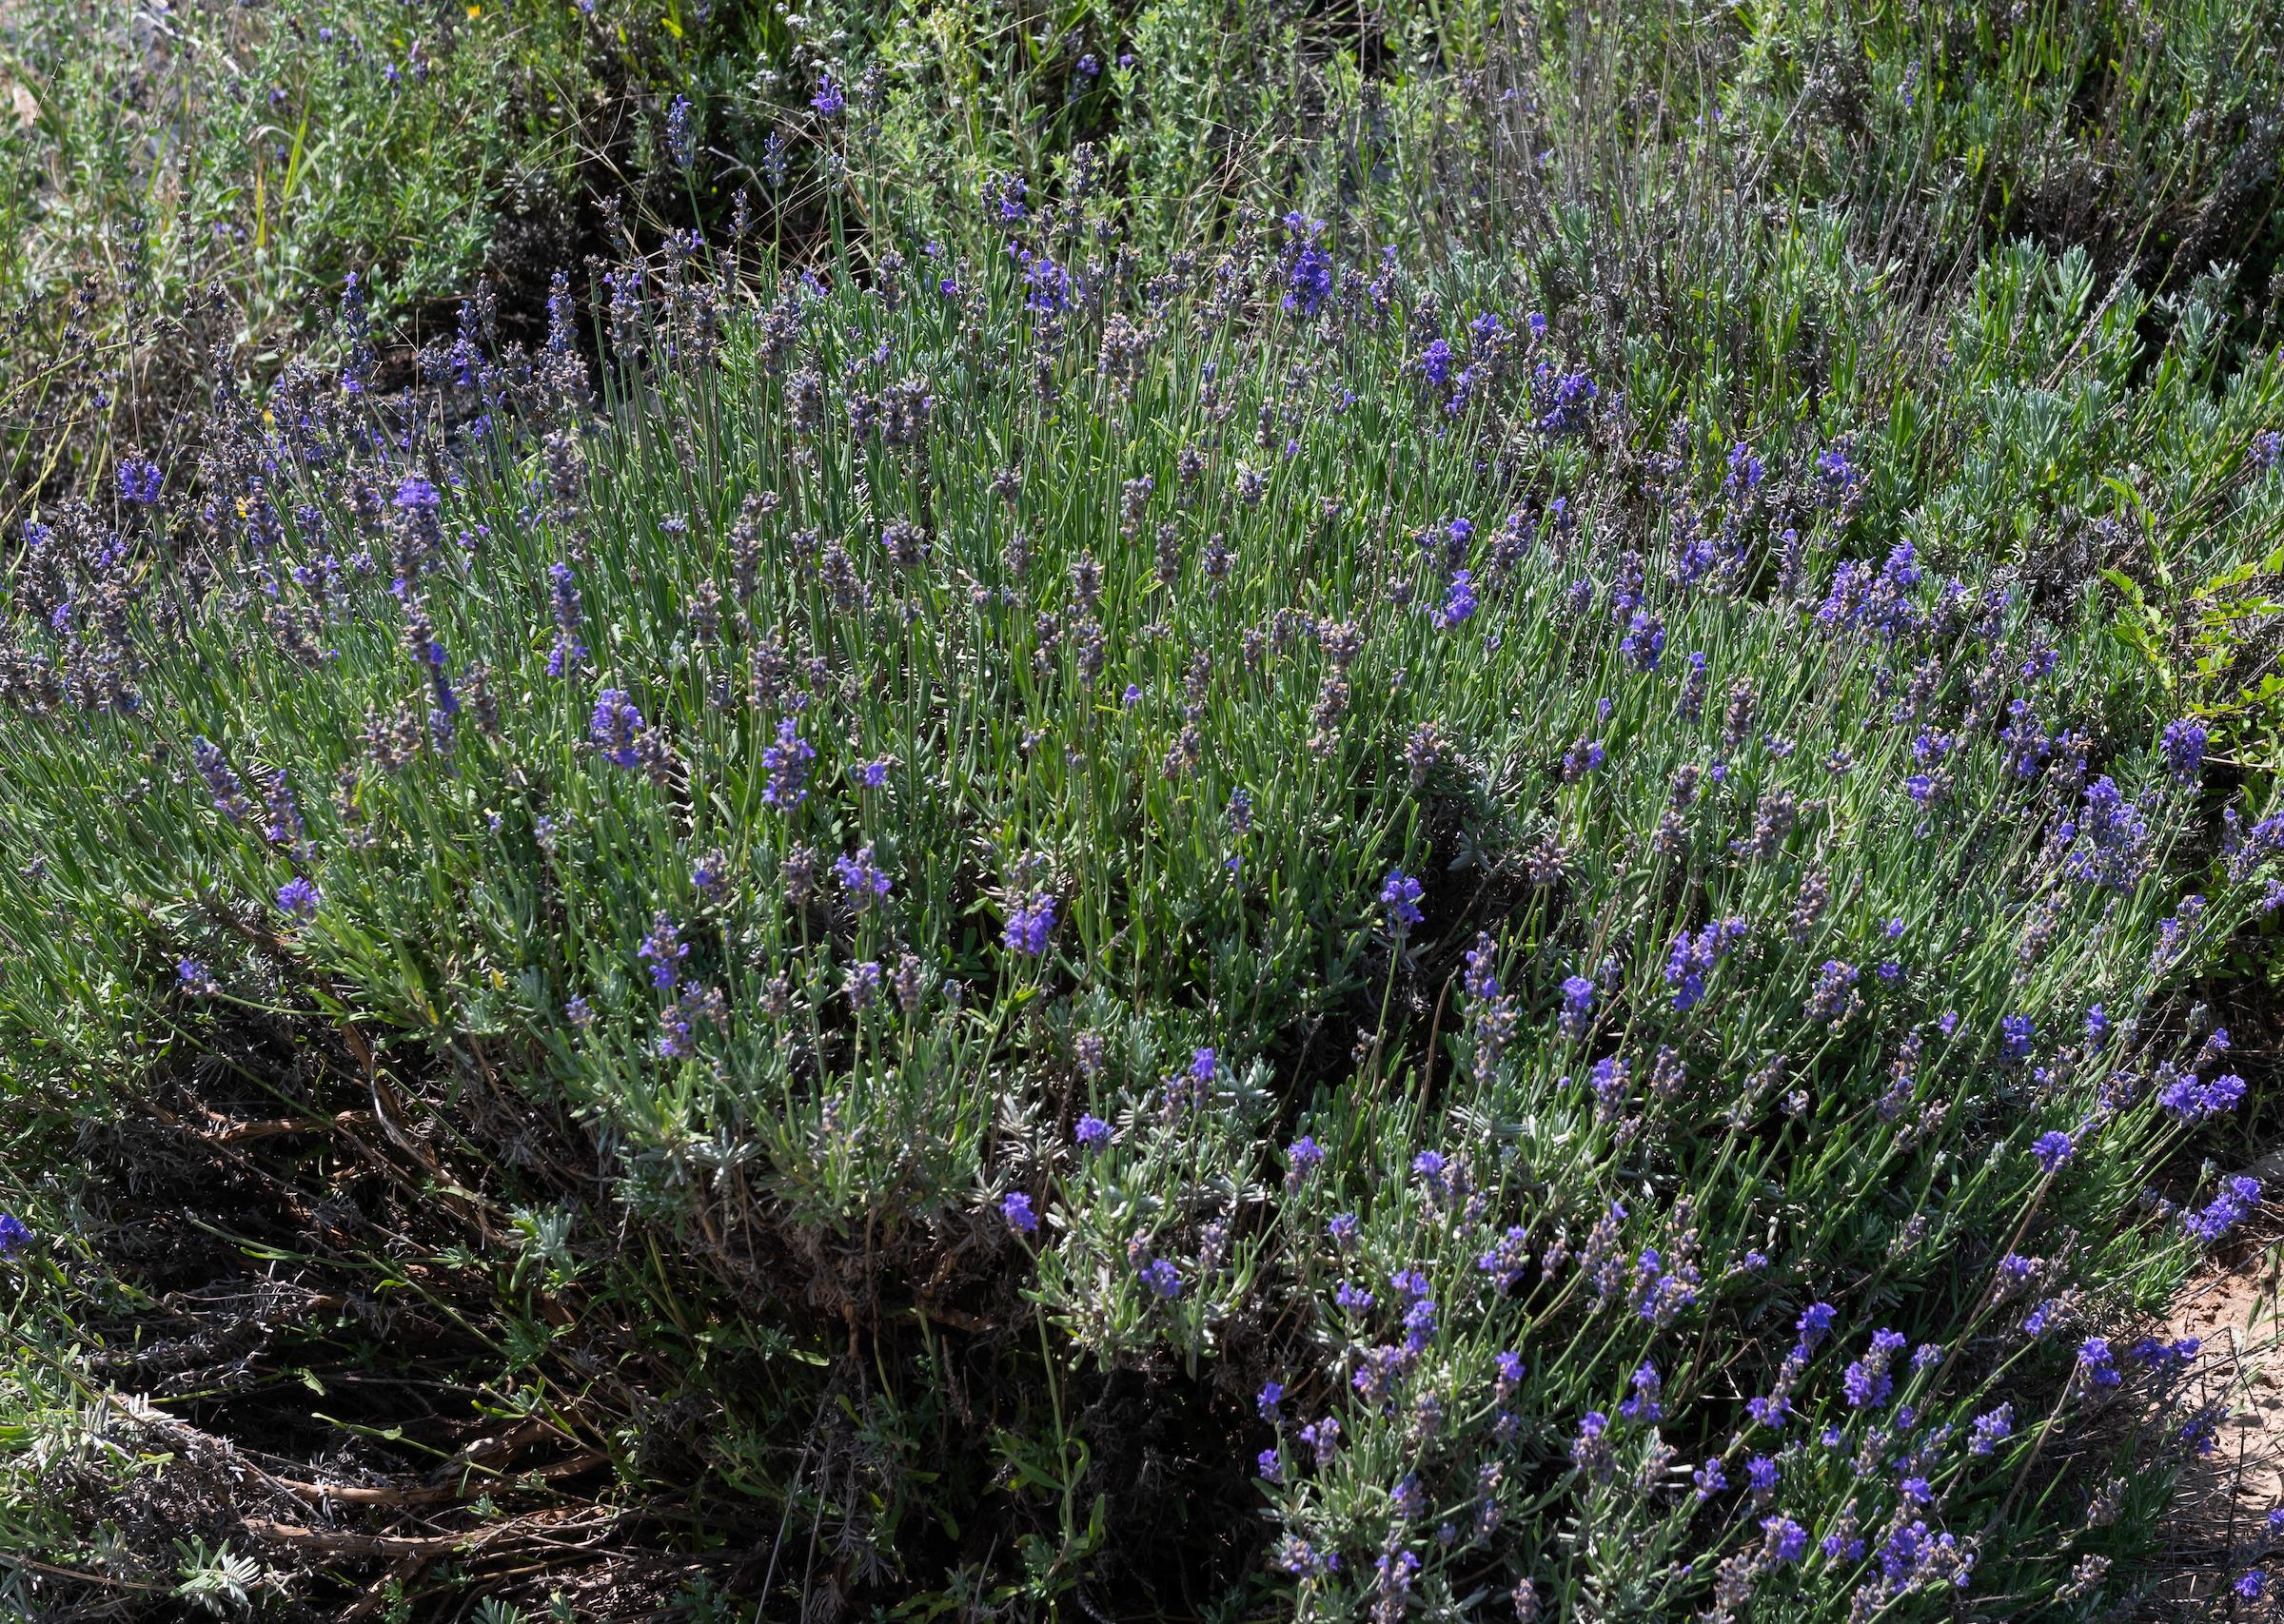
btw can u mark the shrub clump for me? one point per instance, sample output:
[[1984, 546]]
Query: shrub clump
[[1238, 885]]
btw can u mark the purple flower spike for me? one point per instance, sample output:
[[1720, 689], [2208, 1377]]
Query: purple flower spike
[[1400, 893], [298, 898]]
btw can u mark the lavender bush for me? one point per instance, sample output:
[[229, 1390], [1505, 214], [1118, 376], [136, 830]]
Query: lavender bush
[[981, 883], [1015, 911]]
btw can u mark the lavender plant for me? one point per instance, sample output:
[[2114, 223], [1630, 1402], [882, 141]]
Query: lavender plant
[[1259, 836]]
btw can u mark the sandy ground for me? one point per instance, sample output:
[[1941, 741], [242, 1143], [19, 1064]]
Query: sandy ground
[[2217, 1529]]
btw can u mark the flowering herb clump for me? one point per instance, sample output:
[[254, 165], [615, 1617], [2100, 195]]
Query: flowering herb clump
[[1033, 850]]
